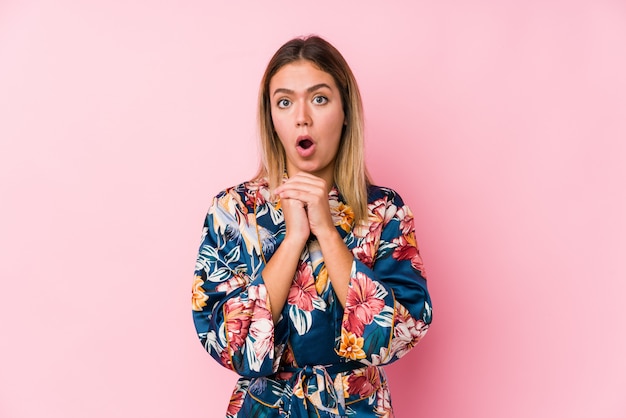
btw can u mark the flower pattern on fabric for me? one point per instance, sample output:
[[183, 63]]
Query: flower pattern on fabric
[[362, 304], [198, 298], [343, 215], [303, 292], [364, 382], [351, 346], [319, 358], [407, 332]]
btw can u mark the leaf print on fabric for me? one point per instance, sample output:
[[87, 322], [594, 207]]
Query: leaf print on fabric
[[268, 241], [302, 291], [362, 303], [234, 223], [381, 358], [235, 282], [351, 346], [300, 319], [385, 317], [198, 297]]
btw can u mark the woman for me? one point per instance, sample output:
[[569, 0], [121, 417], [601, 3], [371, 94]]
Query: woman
[[308, 277]]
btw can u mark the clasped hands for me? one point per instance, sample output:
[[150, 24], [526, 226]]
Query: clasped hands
[[304, 201]]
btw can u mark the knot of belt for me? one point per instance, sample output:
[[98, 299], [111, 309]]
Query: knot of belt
[[313, 385]]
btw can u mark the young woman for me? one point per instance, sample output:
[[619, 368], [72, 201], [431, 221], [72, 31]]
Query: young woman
[[308, 277]]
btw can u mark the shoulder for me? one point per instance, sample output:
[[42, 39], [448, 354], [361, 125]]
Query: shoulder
[[240, 198], [379, 193], [243, 194]]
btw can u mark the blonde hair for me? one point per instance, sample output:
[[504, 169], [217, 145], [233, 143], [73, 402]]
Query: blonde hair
[[350, 174]]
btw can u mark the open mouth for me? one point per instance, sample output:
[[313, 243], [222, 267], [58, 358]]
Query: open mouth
[[305, 143]]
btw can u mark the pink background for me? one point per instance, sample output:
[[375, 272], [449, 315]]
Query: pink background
[[502, 123]]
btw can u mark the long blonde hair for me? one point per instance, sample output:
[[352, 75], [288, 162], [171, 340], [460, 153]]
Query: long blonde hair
[[350, 174]]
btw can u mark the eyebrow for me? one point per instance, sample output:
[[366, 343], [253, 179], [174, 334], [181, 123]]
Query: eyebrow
[[309, 90]]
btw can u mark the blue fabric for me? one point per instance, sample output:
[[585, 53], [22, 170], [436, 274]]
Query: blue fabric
[[319, 359]]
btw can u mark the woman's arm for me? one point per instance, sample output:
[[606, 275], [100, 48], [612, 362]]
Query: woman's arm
[[231, 305], [388, 306], [312, 193], [280, 269]]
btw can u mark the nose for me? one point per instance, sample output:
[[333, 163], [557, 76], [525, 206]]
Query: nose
[[303, 117]]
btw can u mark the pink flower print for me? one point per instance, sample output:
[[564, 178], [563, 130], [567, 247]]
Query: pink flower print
[[225, 358], [407, 250], [262, 326], [237, 322], [380, 213], [407, 332], [302, 291], [262, 330], [252, 193], [383, 403], [366, 252], [406, 220], [361, 304], [235, 404], [364, 382], [258, 294]]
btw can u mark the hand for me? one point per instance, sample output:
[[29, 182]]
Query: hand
[[296, 221], [311, 192]]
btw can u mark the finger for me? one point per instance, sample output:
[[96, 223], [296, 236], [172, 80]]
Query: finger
[[302, 181], [301, 196], [302, 191]]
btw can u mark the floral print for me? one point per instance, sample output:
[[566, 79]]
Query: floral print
[[351, 346], [319, 359], [198, 298], [362, 304], [303, 291]]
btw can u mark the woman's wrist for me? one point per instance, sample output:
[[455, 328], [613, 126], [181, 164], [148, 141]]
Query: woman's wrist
[[328, 235], [293, 241]]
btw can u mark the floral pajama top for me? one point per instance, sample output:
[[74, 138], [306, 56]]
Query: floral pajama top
[[319, 359]]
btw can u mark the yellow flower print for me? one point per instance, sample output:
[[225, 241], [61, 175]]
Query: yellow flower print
[[343, 216], [321, 281], [342, 383], [351, 346], [297, 389], [198, 298], [410, 238]]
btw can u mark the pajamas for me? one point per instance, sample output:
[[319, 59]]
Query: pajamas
[[319, 359]]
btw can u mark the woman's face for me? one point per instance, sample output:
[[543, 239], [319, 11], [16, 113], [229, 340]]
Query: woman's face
[[308, 117]]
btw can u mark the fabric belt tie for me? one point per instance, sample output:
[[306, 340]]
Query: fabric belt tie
[[314, 385]]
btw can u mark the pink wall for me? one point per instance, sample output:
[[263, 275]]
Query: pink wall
[[503, 124]]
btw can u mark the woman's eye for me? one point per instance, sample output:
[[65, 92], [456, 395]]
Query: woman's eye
[[283, 103], [320, 100]]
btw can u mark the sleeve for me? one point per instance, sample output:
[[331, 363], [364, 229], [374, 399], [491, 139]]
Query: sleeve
[[388, 307], [231, 310]]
